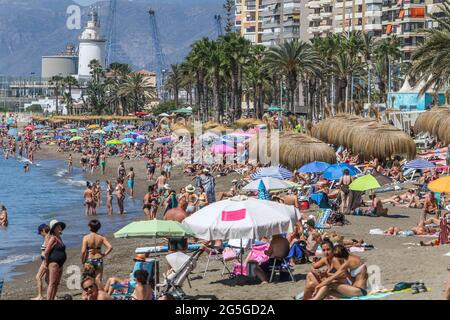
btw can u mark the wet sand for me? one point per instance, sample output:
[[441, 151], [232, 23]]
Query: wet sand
[[399, 259]]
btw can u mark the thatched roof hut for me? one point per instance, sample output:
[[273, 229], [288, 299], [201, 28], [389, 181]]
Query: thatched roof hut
[[436, 121], [295, 150], [365, 136]]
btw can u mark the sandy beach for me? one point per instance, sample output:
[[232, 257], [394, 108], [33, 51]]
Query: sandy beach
[[399, 259]]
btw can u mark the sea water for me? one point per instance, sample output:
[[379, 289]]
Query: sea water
[[45, 193]]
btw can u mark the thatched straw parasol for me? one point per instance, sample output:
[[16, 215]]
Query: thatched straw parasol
[[365, 136], [295, 150], [436, 121]]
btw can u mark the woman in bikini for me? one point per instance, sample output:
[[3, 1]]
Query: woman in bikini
[[91, 252], [120, 194], [192, 199], [97, 193], [202, 198], [143, 289], [109, 197], [430, 205], [315, 277], [89, 201], [352, 269]]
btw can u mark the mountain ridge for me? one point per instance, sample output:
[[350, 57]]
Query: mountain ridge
[[30, 29]]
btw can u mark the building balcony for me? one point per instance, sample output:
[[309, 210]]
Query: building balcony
[[313, 30], [314, 16], [325, 3], [326, 14], [325, 28], [313, 4]]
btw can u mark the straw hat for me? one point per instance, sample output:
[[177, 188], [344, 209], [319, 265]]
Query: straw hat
[[54, 223], [190, 188]]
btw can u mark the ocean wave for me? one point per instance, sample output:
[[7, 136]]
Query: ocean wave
[[60, 173], [76, 183], [17, 258]]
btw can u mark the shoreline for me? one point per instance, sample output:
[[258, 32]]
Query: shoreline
[[398, 259]]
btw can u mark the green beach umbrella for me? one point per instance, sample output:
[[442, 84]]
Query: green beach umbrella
[[275, 108], [113, 142], [153, 228], [73, 130], [183, 110], [46, 136], [75, 139], [367, 182]]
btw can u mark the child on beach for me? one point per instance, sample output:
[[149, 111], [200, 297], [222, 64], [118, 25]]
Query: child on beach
[[43, 230], [3, 217]]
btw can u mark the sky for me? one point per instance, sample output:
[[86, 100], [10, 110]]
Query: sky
[[85, 2]]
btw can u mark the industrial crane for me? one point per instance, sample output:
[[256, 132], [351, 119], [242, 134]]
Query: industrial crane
[[110, 31], [157, 50]]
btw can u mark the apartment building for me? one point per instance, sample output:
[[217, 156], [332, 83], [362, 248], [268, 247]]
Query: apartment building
[[406, 19], [320, 17], [358, 15], [248, 19], [283, 20]]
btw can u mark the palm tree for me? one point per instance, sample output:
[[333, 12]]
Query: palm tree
[[68, 83], [292, 59], [431, 60], [215, 65], [174, 81], [257, 78], [57, 82], [138, 89]]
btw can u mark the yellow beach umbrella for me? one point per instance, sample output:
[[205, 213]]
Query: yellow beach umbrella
[[93, 126], [75, 139], [441, 185]]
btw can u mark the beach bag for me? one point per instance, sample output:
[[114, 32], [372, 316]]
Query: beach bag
[[257, 254], [237, 270], [229, 254], [402, 286]]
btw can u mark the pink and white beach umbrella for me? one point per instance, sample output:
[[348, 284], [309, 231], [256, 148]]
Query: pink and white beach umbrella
[[222, 149]]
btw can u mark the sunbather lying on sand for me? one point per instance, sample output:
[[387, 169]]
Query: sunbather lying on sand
[[421, 228], [407, 200]]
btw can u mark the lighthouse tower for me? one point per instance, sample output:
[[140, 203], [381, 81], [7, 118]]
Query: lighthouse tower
[[92, 45]]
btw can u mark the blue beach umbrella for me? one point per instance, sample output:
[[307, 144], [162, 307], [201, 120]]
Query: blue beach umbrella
[[272, 172], [313, 167], [336, 171], [12, 132], [262, 191], [128, 140], [419, 164]]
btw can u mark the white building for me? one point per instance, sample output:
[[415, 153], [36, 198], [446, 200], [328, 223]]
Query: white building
[[92, 45]]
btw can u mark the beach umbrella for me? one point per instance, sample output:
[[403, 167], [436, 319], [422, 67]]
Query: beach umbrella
[[441, 185], [269, 184], [183, 110], [130, 126], [364, 183], [73, 130], [164, 115], [12, 132], [275, 108], [46, 137], [222, 149], [93, 126], [141, 139], [273, 172], [128, 140], [419, 164], [262, 191], [29, 128], [154, 228], [313, 167], [113, 142], [382, 179], [40, 126], [165, 139], [82, 129], [242, 218], [76, 138], [10, 120], [99, 131], [336, 171]]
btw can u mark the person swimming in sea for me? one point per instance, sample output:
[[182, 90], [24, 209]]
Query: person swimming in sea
[[3, 217]]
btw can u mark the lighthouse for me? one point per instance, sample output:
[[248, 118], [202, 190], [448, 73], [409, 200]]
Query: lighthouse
[[92, 45]]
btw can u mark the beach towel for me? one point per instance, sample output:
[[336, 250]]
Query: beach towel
[[378, 295], [257, 254]]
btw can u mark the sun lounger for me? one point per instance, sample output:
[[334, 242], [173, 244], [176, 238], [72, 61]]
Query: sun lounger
[[124, 292], [321, 221]]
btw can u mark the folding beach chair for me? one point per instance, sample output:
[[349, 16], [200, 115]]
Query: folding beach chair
[[214, 256], [124, 292], [321, 221], [280, 265], [238, 246]]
